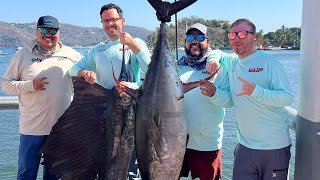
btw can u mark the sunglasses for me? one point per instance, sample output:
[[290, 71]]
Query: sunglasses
[[240, 34], [199, 37], [46, 30]]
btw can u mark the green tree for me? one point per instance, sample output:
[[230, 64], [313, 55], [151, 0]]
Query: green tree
[[218, 29]]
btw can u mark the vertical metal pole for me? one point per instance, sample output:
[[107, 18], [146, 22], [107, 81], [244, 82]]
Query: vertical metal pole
[[307, 162]]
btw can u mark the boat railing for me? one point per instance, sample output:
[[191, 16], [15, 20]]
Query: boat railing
[[9, 102], [292, 115]]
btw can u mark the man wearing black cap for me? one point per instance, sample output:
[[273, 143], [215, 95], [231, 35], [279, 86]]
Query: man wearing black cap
[[205, 119], [38, 74]]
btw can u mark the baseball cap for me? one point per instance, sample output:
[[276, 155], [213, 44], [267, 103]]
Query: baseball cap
[[202, 28], [48, 22]]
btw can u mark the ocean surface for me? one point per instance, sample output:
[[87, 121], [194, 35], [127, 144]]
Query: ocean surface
[[9, 121]]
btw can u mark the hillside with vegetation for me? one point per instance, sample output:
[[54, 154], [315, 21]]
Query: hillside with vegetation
[[217, 34], [17, 34]]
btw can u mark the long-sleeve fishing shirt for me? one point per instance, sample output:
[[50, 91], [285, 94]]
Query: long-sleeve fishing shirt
[[103, 57], [204, 118], [39, 110], [262, 121]]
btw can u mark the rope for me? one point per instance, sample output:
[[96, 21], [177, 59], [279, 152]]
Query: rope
[[176, 23]]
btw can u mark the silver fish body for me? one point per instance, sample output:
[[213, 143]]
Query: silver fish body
[[161, 127]]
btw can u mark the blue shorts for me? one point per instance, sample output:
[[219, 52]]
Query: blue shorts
[[253, 164]]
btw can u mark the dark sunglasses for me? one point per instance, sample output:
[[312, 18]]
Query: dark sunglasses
[[46, 30], [199, 37], [240, 34]]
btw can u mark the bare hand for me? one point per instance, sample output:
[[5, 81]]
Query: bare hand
[[247, 87], [212, 67], [207, 88], [38, 84], [126, 39], [89, 76], [121, 88]]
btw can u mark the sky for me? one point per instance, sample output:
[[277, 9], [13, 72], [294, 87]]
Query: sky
[[267, 15]]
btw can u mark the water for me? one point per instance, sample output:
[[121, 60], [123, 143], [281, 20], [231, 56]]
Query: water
[[9, 127]]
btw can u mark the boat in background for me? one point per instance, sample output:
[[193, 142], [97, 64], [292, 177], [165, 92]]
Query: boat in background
[[18, 48], [2, 53], [180, 48]]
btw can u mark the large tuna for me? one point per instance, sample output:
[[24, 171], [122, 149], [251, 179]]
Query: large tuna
[[161, 128]]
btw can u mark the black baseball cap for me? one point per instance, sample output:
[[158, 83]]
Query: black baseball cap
[[48, 22]]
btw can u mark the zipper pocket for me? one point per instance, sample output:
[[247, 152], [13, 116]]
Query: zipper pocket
[[274, 174]]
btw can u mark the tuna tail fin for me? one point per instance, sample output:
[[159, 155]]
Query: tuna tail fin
[[166, 9]]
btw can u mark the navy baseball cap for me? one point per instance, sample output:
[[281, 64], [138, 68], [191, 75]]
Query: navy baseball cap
[[48, 22]]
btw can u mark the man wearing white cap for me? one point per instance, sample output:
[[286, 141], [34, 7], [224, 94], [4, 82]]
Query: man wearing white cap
[[205, 119]]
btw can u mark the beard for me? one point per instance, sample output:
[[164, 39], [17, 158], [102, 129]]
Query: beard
[[201, 54]]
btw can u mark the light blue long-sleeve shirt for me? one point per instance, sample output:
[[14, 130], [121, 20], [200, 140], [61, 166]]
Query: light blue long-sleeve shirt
[[262, 121], [204, 118], [102, 57]]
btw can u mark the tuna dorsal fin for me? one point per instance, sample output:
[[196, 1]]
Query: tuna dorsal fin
[[166, 9], [126, 73], [134, 93]]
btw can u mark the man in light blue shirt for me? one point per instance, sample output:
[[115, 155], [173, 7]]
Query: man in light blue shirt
[[204, 118], [96, 65], [260, 90]]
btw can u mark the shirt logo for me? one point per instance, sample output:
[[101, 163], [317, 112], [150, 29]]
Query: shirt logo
[[255, 69], [36, 60], [205, 72], [48, 21], [126, 48], [101, 50]]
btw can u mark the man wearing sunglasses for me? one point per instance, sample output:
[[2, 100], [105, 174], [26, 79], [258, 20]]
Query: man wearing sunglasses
[[205, 126], [260, 90], [38, 74]]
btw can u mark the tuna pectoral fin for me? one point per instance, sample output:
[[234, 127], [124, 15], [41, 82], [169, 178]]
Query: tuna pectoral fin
[[159, 143]]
